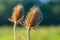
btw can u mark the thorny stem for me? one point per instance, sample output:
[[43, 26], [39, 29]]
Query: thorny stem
[[14, 30], [28, 33]]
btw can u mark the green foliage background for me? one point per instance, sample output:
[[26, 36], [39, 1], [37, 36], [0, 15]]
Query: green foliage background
[[43, 33], [50, 10], [51, 14]]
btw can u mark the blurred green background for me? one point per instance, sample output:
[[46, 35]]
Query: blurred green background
[[49, 28], [49, 8]]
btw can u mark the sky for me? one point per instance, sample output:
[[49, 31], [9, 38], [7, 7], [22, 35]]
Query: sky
[[44, 1]]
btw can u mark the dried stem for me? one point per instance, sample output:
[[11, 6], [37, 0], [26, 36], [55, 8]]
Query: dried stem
[[28, 33], [14, 30]]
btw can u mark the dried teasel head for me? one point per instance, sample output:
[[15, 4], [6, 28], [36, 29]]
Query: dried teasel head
[[34, 17], [18, 13]]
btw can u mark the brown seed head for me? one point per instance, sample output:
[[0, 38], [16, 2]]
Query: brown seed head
[[33, 17], [17, 13]]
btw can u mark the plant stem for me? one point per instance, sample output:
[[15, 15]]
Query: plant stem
[[28, 33], [14, 30]]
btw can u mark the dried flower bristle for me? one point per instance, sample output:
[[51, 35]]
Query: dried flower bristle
[[17, 13], [33, 17]]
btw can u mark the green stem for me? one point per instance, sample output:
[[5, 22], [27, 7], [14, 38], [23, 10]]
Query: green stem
[[14, 30], [28, 33]]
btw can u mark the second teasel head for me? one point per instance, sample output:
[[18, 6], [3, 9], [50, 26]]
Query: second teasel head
[[33, 17]]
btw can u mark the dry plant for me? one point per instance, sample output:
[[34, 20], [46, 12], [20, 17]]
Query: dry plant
[[33, 19], [17, 16]]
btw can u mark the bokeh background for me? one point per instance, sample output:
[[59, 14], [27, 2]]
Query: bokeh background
[[49, 29]]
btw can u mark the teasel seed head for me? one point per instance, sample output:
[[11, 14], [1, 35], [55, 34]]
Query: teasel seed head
[[34, 17], [18, 13]]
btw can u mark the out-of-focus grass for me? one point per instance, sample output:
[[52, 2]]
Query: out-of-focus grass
[[43, 33]]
